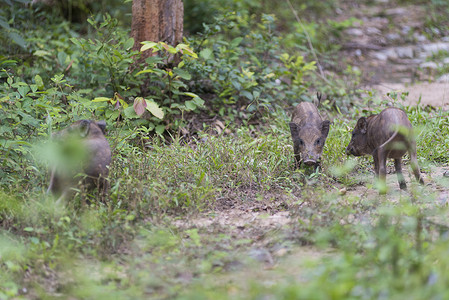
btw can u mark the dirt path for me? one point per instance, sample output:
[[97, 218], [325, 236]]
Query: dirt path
[[391, 48]]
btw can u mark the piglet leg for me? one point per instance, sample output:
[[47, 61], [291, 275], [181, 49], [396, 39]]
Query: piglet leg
[[398, 167]]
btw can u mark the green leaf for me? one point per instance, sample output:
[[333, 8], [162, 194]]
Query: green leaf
[[130, 113], [183, 74], [4, 23], [172, 50], [147, 45], [145, 71], [129, 43], [39, 82], [4, 99], [193, 95], [160, 129], [154, 109], [247, 95], [113, 115], [41, 53], [23, 90], [190, 52], [17, 39], [199, 102], [76, 42], [235, 42], [153, 60], [182, 46], [177, 105], [8, 61], [207, 53], [28, 229], [190, 105], [101, 99], [33, 87], [91, 21]]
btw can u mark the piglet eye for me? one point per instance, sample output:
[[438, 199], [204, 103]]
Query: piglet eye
[[301, 142], [317, 142]]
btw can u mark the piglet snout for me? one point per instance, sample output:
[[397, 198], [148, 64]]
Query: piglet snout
[[310, 162]]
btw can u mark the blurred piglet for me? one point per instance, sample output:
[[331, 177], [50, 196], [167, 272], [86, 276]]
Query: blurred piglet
[[81, 159]]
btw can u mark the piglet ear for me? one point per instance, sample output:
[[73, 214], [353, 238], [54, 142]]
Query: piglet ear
[[362, 125], [84, 128], [325, 128], [294, 129], [102, 125]]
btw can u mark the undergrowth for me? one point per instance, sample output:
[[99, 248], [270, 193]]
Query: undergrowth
[[203, 161], [155, 185]]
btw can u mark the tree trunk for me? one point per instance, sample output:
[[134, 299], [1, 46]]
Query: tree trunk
[[157, 21]]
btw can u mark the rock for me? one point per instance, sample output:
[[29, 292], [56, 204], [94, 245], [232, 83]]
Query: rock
[[419, 37], [388, 53], [429, 65], [379, 21], [391, 53], [354, 31], [373, 30], [391, 37], [436, 31], [412, 61], [379, 55], [443, 199], [446, 174], [445, 79], [404, 52], [446, 61], [405, 29], [396, 11], [358, 52], [423, 55], [434, 48], [261, 255], [445, 38]]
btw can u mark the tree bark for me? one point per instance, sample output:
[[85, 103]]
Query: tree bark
[[157, 21]]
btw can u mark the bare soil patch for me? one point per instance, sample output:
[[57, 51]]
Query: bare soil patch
[[434, 94]]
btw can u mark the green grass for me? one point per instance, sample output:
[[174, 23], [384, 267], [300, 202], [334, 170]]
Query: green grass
[[147, 241]]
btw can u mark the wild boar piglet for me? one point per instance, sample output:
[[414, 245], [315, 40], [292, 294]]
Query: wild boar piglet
[[85, 150], [309, 133], [386, 135]]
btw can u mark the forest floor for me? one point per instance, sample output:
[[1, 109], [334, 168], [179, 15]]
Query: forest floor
[[252, 244], [389, 48]]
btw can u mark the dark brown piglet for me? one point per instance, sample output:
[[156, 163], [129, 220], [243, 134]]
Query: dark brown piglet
[[386, 135], [309, 133], [87, 151]]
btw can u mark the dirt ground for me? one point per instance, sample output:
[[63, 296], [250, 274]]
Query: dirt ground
[[390, 61], [389, 46], [434, 94]]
